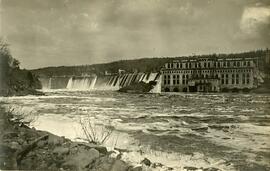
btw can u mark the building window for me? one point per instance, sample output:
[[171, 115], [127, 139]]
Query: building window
[[222, 78], [233, 78], [174, 79], [227, 79], [184, 79], [247, 79], [180, 65], [178, 79], [238, 64], [237, 79], [245, 63], [208, 64], [248, 63], [228, 64], [243, 79]]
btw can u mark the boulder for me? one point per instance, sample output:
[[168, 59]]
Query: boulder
[[7, 157], [155, 165], [136, 168], [41, 144], [146, 162], [191, 168], [55, 140], [60, 150], [108, 164], [81, 159], [15, 145], [211, 169], [10, 135], [119, 165], [99, 148]]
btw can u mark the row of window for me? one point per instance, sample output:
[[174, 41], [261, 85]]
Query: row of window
[[211, 64], [224, 79], [235, 79], [176, 79], [207, 71]]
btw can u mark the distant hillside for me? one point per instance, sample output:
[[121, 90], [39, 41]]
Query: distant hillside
[[137, 65]]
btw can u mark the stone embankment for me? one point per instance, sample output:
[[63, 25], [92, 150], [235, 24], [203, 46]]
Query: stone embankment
[[25, 148]]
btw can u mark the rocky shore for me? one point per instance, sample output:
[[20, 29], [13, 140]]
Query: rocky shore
[[25, 148]]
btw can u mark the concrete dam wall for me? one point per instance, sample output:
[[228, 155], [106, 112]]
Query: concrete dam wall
[[107, 82]]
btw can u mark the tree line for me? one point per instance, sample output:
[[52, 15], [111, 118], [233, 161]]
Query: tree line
[[145, 65]]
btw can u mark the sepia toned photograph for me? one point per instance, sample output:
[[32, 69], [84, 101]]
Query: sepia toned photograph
[[135, 85]]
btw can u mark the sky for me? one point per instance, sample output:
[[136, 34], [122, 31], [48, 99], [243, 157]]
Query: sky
[[78, 32]]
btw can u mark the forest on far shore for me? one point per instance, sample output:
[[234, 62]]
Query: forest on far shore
[[145, 65]]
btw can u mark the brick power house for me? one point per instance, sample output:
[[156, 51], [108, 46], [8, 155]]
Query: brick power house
[[211, 74]]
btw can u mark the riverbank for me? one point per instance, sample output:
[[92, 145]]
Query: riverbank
[[25, 148]]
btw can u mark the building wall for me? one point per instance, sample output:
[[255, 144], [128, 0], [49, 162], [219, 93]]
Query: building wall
[[227, 73]]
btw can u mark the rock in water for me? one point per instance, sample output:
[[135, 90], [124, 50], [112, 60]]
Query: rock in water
[[136, 168], [146, 162], [140, 87]]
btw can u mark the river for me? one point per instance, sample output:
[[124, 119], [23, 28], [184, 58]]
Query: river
[[225, 131]]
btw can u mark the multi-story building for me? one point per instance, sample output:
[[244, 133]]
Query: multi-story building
[[212, 74]]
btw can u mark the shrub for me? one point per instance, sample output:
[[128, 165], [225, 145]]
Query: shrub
[[95, 134], [21, 115]]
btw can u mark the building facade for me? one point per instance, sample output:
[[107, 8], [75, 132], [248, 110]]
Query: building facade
[[213, 74]]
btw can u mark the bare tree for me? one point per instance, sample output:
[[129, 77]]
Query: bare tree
[[95, 134]]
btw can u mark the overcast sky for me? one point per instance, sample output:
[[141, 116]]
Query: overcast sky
[[73, 32]]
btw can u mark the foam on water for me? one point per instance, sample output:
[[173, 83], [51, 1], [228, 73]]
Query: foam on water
[[159, 116]]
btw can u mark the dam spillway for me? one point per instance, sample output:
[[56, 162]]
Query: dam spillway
[[104, 82]]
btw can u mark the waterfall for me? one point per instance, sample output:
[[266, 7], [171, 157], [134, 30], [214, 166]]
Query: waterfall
[[106, 82], [46, 83], [69, 85], [84, 83], [151, 77], [157, 88], [50, 83], [93, 82]]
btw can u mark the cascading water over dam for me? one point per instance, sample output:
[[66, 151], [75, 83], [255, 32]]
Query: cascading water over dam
[[81, 83], [106, 82]]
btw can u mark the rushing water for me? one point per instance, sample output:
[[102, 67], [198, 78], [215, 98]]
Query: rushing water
[[226, 131]]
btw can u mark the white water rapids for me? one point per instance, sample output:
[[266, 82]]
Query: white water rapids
[[225, 131]]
